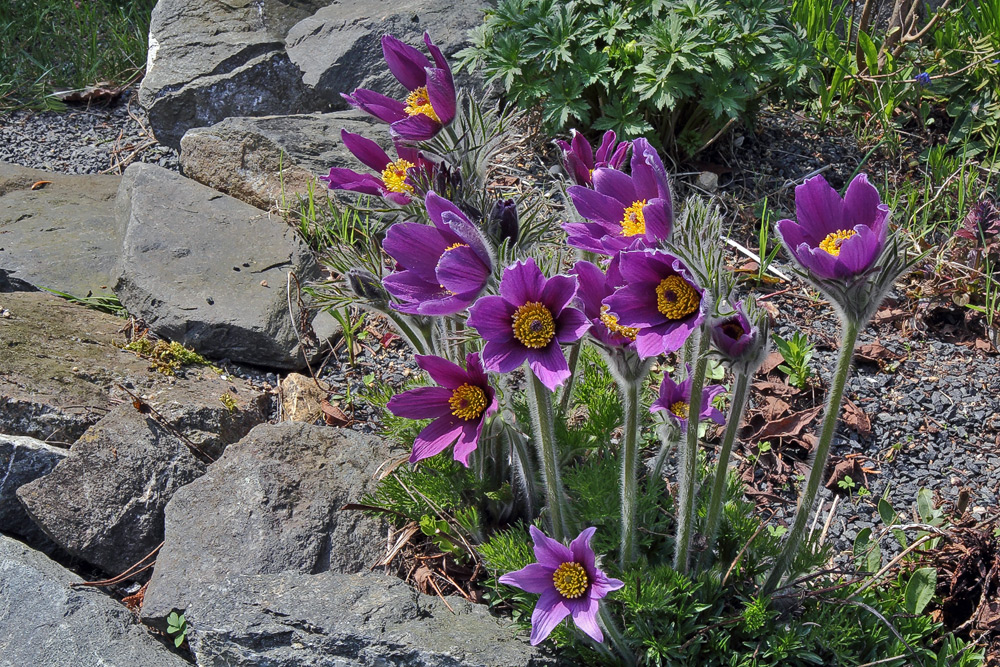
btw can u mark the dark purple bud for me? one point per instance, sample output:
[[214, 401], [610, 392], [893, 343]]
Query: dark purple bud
[[503, 222]]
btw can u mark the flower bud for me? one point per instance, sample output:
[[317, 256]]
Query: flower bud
[[503, 222], [367, 286]]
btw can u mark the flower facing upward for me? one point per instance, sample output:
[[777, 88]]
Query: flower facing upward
[[459, 406], [394, 184], [444, 267], [659, 299], [431, 102], [528, 321], [580, 161], [834, 238], [625, 211], [594, 288], [676, 399], [569, 583]]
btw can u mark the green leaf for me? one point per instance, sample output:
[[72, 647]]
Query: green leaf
[[920, 589], [178, 640], [886, 513], [870, 51], [925, 506], [867, 552]]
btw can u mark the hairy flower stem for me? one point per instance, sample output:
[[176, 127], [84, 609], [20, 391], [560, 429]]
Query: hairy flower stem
[[419, 338], [615, 635], [669, 436], [808, 496], [689, 461], [540, 402], [630, 471], [733, 419], [567, 392]]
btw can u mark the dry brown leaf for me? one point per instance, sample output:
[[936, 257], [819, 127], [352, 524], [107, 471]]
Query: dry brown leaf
[[332, 415], [856, 419], [776, 389], [791, 426], [844, 469], [772, 361]]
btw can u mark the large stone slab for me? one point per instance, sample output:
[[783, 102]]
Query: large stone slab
[[346, 620], [263, 160], [60, 372], [210, 271], [46, 623], [211, 60], [23, 460], [104, 502], [60, 235], [270, 504]]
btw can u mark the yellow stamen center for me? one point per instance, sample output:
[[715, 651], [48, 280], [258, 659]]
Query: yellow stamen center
[[634, 222], [570, 579], [533, 325], [676, 298], [456, 245], [833, 241], [467, 402], [394, 176], [611, 322], [419, 102], [680, 408]]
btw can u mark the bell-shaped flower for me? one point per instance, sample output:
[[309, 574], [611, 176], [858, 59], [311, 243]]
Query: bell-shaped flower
[[675, 399], [659, 299], [528, 321], [569, 581], [593, 289], [836, 238], [431, 102], [733, 335], [459, 406], [442, 268], [625, 211], [394, 181], [579, 160]]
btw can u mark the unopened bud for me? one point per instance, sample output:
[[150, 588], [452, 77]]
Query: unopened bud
[[503, 222], [367, 286]]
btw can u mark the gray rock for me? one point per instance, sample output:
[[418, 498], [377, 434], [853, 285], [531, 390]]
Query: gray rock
[[23, 460], [210, 60], [210, 271], [275, 500], [262, 160], [61, 235], [60, 372], [345, 620], [45, 623], [104, 503], [339, 48]]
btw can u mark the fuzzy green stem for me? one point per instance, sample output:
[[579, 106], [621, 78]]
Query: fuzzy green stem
[[733, 419], [668, 438], [545, 442], [617, 639], [630, 471], [415, 337], [808, 497], [689, 461], [567, 392]]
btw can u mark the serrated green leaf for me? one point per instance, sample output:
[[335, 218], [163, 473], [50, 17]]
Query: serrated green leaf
[[920, 590]]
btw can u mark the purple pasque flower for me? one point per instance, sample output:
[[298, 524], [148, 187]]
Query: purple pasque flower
[[834, 238], [580, 162], [431, 102], [442, 268], [395, 183], [676, 399], [733, 334], [659, 298], [459, 406], [624, 211], [594, 287], [569, 582], [528, 321]]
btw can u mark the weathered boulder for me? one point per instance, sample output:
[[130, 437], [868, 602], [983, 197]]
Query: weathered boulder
[[301, 398], [23, 460], [209, 271], [347, 620], [274, 500], [104, 502], [46, 623], [60, 235], [262, 160], [339, 47], [60, 372], [211, 60]]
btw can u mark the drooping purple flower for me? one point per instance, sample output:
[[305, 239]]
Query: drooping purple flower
[[580, 162], [676, 400], [733, 335], [593, 289], [459, 406], [431, 102], [834, 238], [528, 321], [569, 581], [624, 211], [659, 298], [395, 183], [444, 267]]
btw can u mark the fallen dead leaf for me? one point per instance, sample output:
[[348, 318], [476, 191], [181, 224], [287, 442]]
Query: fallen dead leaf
[[332, 415], [856, 419], [791, 426]]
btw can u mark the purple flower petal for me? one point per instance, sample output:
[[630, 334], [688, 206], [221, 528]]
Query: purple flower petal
[[606, 147], [436, 437], [460, 271], [437, 206], [415, 128], [582, 553], [858, 252], [549, 365], [467, 442], [441, 93], [659, 220], [586, 236], [418, 247], [585, 617], [522, 282], [382, 107], [504, 357], [549, 552], [449, 304], [533, 578], [598, 207], [557, 293], [491, 316], [366, 150], [819, 208], [421, 403], [614, 183], [406, 63], [861, 202], [439, 60], [549, 612], [571, 325], [581, 148], [444, 372], [341, 178]]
